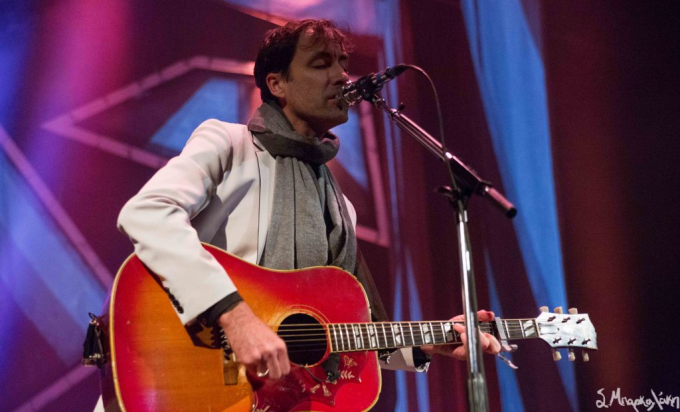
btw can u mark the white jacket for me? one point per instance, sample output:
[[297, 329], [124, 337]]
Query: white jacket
[[219, 190]]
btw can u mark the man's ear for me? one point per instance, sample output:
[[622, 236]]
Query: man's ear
[[276, 84]]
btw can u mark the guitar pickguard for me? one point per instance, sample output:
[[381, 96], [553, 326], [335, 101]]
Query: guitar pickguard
[[304, 385]]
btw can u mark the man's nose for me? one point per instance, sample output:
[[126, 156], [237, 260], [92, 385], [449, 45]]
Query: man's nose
[[340, 76]]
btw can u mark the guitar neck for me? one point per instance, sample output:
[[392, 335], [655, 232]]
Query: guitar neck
[[349, 337]]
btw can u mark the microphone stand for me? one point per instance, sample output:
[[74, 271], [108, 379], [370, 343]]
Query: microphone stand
[[464, 183]]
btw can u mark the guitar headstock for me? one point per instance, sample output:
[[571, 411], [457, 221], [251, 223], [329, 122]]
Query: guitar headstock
[[572, 330]]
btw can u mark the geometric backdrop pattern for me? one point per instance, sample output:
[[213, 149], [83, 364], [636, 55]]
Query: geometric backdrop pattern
[[82, 127]]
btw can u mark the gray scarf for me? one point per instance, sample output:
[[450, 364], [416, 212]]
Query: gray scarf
[[310, 224]]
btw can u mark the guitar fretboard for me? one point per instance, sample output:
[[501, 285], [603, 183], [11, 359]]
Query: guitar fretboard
[[349, 337]]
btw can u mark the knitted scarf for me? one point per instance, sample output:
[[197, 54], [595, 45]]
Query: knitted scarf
[[310, 224]]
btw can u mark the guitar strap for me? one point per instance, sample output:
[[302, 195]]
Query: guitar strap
[[363, 275]]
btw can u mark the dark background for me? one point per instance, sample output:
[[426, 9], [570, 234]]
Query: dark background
[[612, 71], [612, 81]]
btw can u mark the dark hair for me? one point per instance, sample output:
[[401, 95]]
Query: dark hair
[[279, 45]]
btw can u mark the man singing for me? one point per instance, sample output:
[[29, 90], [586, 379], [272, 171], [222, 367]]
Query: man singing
[[263, 192]]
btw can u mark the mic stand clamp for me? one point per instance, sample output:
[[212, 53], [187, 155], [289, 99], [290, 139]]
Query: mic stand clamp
[[465, 183]]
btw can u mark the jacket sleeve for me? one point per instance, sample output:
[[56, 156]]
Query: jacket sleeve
[[157, 220]]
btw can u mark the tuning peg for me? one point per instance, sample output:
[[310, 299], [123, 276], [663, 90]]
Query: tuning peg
[[556, 355], [543, 308], [573, 311], [572, 356], [586, 358], [558, 310]]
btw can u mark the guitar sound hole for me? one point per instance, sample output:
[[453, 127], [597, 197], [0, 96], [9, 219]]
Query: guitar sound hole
[[305, 339]]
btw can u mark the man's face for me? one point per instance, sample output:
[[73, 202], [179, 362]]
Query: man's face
[[316, 75]]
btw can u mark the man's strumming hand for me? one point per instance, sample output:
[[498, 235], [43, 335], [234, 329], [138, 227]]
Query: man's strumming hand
[[254, 343]]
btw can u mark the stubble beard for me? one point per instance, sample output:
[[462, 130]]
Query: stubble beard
[[331, 117]]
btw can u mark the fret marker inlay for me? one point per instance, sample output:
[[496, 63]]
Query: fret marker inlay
[[396, 334]]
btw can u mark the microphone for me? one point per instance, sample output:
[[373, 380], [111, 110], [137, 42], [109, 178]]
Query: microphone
[[364, 88]]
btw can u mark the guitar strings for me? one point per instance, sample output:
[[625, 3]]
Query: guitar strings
[[362, 328], [437, 322], [377, 326], [324, 332], [320, 331], [309, 336], [416, 340], [390, 324], [304, 337], [322, 337], [367, 334]]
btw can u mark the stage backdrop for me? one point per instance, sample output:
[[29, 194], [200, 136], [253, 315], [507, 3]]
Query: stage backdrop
[[570, 109]]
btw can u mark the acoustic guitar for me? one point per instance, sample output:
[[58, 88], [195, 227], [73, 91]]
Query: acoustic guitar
[[155, 363]]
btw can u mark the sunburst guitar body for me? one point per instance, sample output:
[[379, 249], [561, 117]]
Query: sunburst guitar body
[[158, 364]]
